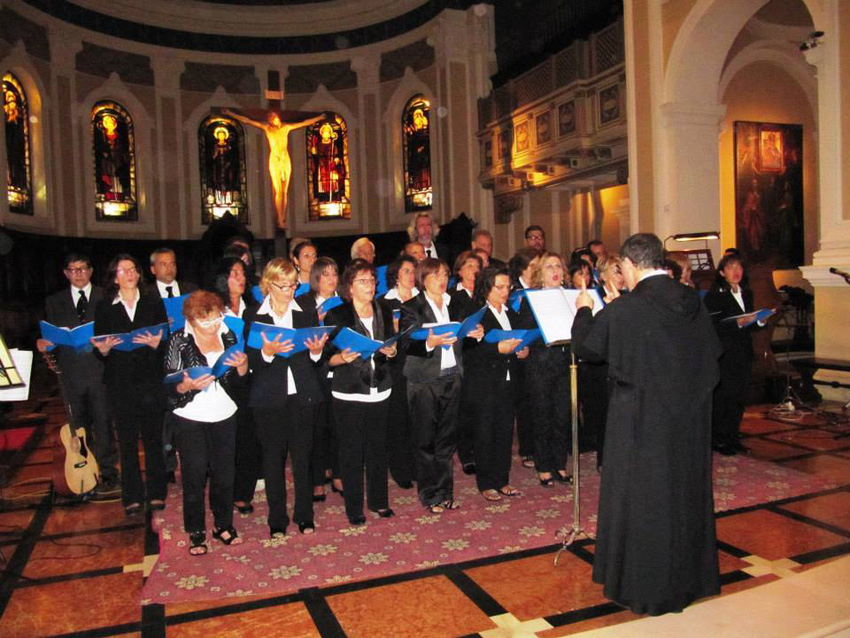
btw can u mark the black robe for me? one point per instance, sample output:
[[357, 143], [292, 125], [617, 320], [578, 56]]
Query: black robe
[[655, 547]]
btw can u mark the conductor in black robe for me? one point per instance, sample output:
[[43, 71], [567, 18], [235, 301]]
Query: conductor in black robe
[[656, 547]]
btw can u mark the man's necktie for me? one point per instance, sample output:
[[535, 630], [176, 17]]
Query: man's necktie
[[82, 304], [170, 291], [428, 251]]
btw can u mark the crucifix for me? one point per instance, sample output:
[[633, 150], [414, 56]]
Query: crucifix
[[277, 124]]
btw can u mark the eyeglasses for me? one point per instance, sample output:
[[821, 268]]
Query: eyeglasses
[[210, 323], [127, 271], [77, 271], [284, 287], [365, 281]]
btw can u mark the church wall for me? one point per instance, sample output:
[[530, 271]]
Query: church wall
[[762, 92], [843, 28], [673, 15]]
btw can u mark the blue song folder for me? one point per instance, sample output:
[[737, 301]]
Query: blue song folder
[[298, 337], [127, 343], [329, 304], [752, 317], [515, 300], [174, 310], [237, 325], [78, 338], [217, 370], [361, 344], [526, 337]]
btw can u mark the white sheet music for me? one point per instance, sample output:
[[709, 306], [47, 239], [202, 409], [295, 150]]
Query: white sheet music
[[555, 309], [23, 363]]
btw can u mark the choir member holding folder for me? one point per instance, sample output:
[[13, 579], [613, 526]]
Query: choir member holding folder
[[361, 390], [434, 367], [285, 389], [230, 281], [204, 412], [489, 382], [324, 465], [726, 300], [548, 384], [133, 376], [401, 285]]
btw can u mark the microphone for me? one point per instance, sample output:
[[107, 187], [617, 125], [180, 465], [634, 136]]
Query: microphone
[[841, 273]]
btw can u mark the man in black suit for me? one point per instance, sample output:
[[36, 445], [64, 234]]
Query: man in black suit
[[164, 269], [82, 372], [482, 239], [166, 285], [424, 230]]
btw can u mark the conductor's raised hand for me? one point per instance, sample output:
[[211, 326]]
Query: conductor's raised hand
[[507, 346], [316, 344], [188, 383], [435, 341], [584, 300], [276, 346], [611, 295]]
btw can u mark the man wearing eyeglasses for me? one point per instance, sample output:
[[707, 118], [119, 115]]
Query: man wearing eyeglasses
[[82, 372]]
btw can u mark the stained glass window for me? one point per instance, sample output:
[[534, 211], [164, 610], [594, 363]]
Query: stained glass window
[[223, 179], [327, 170], [416, 133], [19, 173], [114, 163]]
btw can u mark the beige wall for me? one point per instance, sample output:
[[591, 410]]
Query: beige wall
[[762, 92]]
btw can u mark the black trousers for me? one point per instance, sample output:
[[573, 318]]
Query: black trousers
[[363, 445], [493, 429], [324, 450], [730, 398], [282, 431], [466, 423], [90, 409], [593, 399], [206, 447], [549, 398], [522, 409], [433, 414], [399, 435], [249, 457], [169, 453], [130, 425]]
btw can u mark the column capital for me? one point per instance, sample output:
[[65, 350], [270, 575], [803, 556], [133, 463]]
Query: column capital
[[167, 72], [368, 70], [693, 113], [64, 48]]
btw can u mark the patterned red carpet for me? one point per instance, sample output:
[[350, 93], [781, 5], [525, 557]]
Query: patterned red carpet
[[413, 539]]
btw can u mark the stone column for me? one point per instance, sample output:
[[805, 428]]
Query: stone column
[[369, 161], [173, 210]]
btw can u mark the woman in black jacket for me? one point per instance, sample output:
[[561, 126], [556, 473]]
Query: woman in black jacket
[[134, 380], [489, 380], [727, 298], [361, 391], [284, 394], [205, 416]]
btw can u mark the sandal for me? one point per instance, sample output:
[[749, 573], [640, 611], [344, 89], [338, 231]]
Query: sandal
[[491, 495], [527, 461], [198, 543], [436, 508], [565, 478], [507, 490], [227, 535], [546, 482], [132, 509], [450, 504], [243, 507], [156, 505]]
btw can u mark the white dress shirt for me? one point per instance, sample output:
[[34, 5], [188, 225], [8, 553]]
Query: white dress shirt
[[175, 289], [448, 359], [75, 293], [212, 404], [284, 321], [131, 310], [502, 318], [373, 396]]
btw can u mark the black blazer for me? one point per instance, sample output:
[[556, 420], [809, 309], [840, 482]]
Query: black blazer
[[358, 376], [78, 368], [133, 379], [486, 368], [423, 366], [464, 304], [269, 381], [737, 342]]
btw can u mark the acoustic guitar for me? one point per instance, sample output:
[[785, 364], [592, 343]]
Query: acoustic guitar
[[75, 470]]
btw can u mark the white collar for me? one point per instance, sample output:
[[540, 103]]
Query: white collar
[[393, 294], [652, 273], [175, 288], [438, 312], [75, 292], [503, 311], [266, 307], [523, 284], [118, 298]]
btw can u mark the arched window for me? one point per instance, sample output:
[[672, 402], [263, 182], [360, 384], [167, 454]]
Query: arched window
[[416, 133], [114, 163], [327, 170], [223, 180], [19, 172]]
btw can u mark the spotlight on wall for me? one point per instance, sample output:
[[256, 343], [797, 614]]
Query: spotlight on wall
[[702, 236], [812, 42]]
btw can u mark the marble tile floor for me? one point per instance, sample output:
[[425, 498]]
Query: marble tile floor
[[78, 570]]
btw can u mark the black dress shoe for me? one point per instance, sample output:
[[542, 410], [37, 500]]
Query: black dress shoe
[[385, 513], [566, 480], [277, 532], [244, 509], [338, 491], [306, 527], [547, 482], [469, 468], [725, 449], [357, 520], [319, 498]]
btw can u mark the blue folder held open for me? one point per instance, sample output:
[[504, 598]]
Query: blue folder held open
[[526, 337], [361, 344], [174, 310], [298, 337], [127, 344], [78, 338]]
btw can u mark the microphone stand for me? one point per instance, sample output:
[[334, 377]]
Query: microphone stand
[[575, 531]]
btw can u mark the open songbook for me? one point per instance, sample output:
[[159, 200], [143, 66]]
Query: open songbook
[[298, 337], [759, 316], [174, 310], [78, 338], [217, 370], [554, 310], [452, 328], [363, 345], [127, 344], [526, 337]]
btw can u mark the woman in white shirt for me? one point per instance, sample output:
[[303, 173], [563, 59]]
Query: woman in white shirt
[[205, 416]]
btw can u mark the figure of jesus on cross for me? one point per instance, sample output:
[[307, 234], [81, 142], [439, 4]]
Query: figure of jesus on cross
[[280, 166]]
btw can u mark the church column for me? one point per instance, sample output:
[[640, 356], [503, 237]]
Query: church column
[[68, 158], [690, 197], [369, 163], [832, 294], [172, 208]]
